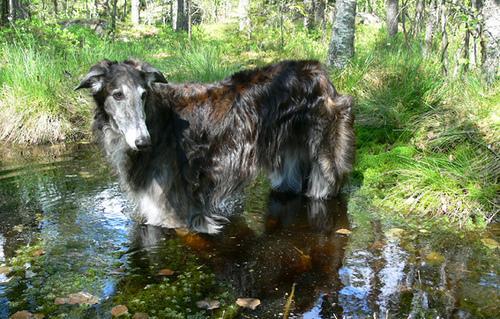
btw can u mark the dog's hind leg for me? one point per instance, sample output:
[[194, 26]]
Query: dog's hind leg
[[335, 156]]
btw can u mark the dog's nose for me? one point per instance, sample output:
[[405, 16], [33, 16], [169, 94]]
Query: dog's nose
[[143, 142]]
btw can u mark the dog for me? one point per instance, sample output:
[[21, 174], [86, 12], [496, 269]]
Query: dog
[[185, 152]]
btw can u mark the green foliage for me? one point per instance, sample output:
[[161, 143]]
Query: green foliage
[[422, 141], [448, 128]]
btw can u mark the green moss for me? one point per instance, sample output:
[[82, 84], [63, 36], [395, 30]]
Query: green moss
[[176, 296]]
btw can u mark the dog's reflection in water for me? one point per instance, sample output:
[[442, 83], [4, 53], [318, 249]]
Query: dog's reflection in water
[[296, 243]]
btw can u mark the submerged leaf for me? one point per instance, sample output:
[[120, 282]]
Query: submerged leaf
[[208, 304], [434, 258], [250, 303], [79, 298], [395, 232], [166, 272], [343, 231], [24, 314], [490, 243], [4, 270], [38, 253], [119, 310]]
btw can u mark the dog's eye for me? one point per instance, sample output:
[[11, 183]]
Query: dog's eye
[[118, 96]]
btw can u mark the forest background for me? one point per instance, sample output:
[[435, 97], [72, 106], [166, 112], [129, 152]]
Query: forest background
[[424, 74]]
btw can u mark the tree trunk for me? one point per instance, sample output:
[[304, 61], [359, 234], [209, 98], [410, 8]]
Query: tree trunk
[[113, 17], [12, 10], [429, 30], [189, 22], [56, 7], [342, 44], [181, 16], [4, 14], [320, 17], [134, 10], [392, 17], [309, 11], [491, 34], [419, 18], [243, 15], [444, 38], [124, 10]]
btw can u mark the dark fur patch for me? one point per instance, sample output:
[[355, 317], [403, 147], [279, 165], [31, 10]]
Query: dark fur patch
[[210, 140]]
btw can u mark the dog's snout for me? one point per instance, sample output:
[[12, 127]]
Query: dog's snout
[[143, 143]]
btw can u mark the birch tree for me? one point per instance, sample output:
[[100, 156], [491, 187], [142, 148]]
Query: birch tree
[[392, 7], [243, 16], [341, 48], [182, 21], [491, 32], [135, 12]]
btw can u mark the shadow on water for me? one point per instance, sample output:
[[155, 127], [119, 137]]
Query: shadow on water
[[344, 264]]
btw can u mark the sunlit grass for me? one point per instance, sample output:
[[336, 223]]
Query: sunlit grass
[[427, 145]]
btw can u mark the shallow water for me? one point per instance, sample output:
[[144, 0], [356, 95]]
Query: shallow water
[[66, 203]]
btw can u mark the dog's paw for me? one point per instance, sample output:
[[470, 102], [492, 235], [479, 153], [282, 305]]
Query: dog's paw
[[207, 224]]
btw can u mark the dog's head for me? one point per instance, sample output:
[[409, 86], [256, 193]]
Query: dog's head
[[122, 90]]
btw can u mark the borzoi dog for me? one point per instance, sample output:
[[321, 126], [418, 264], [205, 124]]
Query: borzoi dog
[[184, 152]]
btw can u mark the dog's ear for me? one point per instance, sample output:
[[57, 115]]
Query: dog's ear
[[95, 78], [151, 73]]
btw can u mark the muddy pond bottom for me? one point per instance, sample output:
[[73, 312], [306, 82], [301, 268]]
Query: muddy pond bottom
[[69, 249]]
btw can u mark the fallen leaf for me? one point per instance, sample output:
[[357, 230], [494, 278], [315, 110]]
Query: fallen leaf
[[85, 174], [208, 304], [79, 298], [38, 253], [196, 242], [18, 228], [22, 315], [182, 231], [434, 258], [140, 315], [343, 231], [490, 243], [250, 303], [61, 301], [4, 270], [119, 310], [377, 245], [395, 232], [38, 316], [165, 272]]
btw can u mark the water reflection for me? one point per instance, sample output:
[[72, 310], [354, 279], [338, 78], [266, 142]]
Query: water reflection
[[297, 244], [73, 204]]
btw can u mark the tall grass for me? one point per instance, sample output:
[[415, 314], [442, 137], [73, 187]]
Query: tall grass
[[427, 145]]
